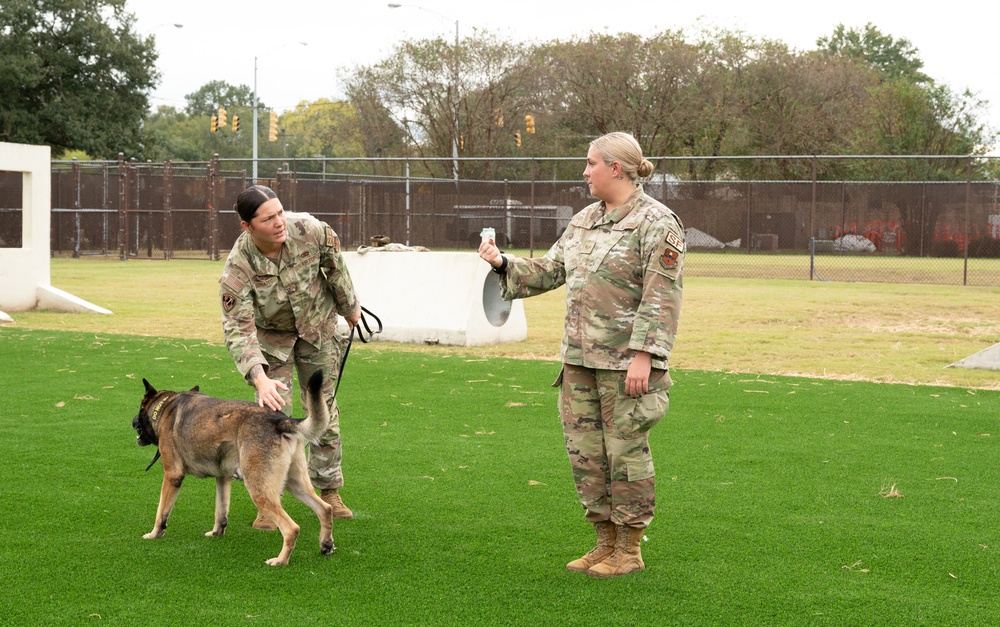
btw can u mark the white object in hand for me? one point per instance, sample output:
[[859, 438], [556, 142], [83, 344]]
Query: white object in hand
[[488, 234]]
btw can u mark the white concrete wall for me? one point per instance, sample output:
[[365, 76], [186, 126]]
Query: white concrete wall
[[448, 298], [986, 359], [23, 269], [25, 272]]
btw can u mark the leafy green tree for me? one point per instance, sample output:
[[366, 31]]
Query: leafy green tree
[[649, 87], [207, 99], [174, 135], [323, 127], [74, 74], [185, 135], [796, 104], [894, 58], [381, 135], [425, 86]]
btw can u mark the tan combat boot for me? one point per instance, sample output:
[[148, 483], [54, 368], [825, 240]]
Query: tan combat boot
[[263, 523], [627, 557], [606, 536], [331, 498]]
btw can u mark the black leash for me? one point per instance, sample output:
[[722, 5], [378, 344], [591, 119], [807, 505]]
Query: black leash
[[361, 336]]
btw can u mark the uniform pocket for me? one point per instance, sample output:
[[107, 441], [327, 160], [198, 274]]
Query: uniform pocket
[[558, 382], [636, 415], [639, 470]]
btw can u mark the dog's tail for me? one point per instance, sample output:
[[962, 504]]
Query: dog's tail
[[318, 419]]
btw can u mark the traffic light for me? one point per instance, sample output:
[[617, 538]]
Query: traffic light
[[272, 131], [222, 116], [517, 138], [215, 124], [529, 124], [236, 124]]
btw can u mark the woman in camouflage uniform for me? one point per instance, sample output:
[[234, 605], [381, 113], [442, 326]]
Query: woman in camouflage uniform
[[621, 260], [284, 283]]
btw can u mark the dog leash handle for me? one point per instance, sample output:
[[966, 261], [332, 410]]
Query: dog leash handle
[[361, 336]]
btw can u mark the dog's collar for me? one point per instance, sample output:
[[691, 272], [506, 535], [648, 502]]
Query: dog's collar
[[153, 417], [155, 414]]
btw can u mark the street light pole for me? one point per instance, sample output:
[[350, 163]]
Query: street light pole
[[454, 114], [454, 80], [253, 178]]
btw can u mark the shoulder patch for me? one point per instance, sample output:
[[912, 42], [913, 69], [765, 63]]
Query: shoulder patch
[[675, 241], [233, 280], [669, 255], [228, 302], [332, 241], [668, 260]]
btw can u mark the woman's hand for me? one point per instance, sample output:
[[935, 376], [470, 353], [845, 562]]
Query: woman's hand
[[489, 252], [637, 375], [352, 320], [267, 391]]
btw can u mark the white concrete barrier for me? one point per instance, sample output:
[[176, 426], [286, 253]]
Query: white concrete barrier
[[986, 359], [436, 298], [25, 271]]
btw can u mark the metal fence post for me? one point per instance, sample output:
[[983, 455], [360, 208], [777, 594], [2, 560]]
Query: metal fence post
[[965, 235], [168, 219], [122, 214], [531, 212], [407, 205], [213, 211], [76, 209], [749, 213], [508, 222], [812, 214], [106, 184]]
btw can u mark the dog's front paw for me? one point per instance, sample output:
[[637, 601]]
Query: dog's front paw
[[152, 535], [277, 561], [216, 532], [326, 548]]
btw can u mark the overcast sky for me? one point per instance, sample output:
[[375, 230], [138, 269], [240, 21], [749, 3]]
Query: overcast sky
[[219, 41]]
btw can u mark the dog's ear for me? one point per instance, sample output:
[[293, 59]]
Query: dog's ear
[[150, 390], [195, 389]]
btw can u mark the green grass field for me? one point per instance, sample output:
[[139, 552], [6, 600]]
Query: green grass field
[[777, 500], [831, 498], [895, 333], [862, 268]]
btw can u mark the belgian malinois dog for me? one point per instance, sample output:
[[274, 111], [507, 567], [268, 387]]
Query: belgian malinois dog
[[204, 436]]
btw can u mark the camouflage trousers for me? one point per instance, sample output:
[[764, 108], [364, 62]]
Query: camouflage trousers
[[607, 439], [325, 456]]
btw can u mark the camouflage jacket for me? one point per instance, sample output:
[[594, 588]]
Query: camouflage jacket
[[624, 282], [268, 304]]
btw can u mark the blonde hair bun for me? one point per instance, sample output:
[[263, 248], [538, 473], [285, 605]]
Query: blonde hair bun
[[645, 168]]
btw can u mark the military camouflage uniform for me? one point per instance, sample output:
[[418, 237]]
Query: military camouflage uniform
[[283, 312], [623, 276]]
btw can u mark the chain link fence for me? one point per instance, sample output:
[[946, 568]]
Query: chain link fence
[[909, 231]]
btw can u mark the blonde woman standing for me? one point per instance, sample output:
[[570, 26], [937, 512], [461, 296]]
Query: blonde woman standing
[[621, 260]]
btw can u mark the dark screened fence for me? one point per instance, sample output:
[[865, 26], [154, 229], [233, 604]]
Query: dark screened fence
[[914, 231]]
